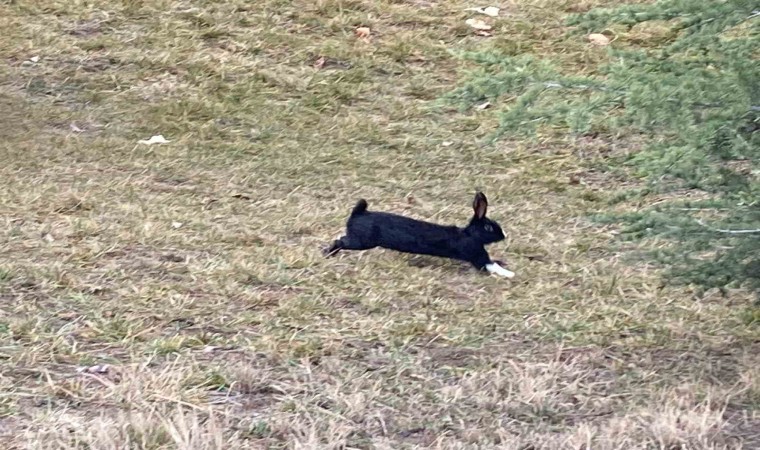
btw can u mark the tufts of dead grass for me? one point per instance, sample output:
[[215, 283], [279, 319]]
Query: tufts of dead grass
[[174, 296]]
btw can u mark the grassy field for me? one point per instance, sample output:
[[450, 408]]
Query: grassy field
[[175, 296]]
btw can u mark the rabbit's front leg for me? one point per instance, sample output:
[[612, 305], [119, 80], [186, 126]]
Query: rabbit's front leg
[[480, 259], [495, 268]]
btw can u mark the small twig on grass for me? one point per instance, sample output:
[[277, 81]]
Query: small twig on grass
[[718, 230], [207, 410]]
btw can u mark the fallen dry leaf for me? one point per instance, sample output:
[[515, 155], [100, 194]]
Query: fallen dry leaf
[[599, 39], [94, 369], [487, 10], [157, 139], [478, 24], [67, 315], [319, 63], [363, 33]]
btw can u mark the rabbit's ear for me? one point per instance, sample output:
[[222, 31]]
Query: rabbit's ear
[[480, 205]]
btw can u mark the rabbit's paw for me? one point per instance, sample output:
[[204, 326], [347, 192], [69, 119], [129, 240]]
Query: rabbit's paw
[[330, 250], [498, 270]]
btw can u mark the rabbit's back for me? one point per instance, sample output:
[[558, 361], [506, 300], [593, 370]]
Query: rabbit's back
[[404, 234]]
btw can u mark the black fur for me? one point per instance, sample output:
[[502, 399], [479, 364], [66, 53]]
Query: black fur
[[368, 229]]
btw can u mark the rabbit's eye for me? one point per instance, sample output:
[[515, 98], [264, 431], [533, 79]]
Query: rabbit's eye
[[489, 228]]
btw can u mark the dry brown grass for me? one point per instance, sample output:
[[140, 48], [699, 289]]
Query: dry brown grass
[[192, 270]]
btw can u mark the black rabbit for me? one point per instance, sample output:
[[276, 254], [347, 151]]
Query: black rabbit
[[369, 229]]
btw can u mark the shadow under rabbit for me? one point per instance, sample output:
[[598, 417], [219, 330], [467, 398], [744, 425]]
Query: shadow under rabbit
[[432, 262]]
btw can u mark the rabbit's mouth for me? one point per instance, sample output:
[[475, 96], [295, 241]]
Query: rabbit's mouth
[[495, 239]]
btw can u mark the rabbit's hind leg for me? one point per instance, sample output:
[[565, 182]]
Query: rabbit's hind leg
[[332, 250], [346, 243]]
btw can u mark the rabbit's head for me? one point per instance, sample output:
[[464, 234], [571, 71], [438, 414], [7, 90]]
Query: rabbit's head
[[481, 228]]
